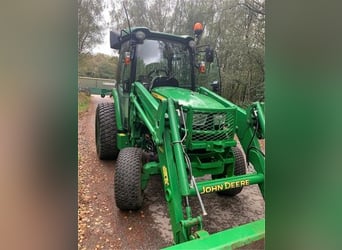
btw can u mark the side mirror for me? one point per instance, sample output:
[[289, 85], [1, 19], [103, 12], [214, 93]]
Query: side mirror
[[209, 54], [115, 40]]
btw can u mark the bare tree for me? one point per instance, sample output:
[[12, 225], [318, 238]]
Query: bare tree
[[90, 24], [234, 28]]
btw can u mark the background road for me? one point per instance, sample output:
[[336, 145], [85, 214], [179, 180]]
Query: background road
[[103, 226]]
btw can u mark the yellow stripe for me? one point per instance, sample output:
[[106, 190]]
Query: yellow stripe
[[158, 96]]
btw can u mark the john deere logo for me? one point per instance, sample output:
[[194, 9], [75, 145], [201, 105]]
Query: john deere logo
[[224, 186]]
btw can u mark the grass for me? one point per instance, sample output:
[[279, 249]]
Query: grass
[[83, 102]]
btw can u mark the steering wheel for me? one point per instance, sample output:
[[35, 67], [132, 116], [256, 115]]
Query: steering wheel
[[156, 72]]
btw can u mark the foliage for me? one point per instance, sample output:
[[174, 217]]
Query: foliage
[[83, 102], [234, 28], [90, 24], [98, 66]]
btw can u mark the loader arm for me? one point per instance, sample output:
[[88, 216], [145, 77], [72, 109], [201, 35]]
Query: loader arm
[[250, 235], [250, 128], [162, 121]]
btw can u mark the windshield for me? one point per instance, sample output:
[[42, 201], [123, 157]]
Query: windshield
[[158, 58]]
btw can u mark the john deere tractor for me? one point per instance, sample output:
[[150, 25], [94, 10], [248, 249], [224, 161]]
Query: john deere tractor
[[169, 119]]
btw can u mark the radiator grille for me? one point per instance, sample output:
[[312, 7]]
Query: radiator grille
[[213, 126]]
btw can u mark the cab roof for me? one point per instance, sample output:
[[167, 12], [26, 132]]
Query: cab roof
[[118, 38]]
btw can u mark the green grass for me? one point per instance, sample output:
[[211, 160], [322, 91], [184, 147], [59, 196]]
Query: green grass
[[83, 102]]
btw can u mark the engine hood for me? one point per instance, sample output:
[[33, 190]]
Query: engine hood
[[187, 98]]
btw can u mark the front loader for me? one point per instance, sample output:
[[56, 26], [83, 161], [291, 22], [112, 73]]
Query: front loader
[[169, 119]]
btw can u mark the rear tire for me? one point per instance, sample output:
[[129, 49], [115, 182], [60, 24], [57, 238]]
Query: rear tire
[[239, 169], [127, 179], [105, 132]]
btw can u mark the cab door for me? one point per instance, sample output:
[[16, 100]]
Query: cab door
[[124, 82]]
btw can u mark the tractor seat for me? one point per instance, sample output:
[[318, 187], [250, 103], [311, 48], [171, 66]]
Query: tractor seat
[[162, 81]]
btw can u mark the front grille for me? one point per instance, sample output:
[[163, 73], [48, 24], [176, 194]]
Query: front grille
[[213, 126]]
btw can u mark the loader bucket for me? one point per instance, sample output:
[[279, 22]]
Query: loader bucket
[[248, 236]]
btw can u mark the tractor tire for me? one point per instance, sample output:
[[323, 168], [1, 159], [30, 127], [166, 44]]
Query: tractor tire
[[105, 132], [239, 169], [127, 179]]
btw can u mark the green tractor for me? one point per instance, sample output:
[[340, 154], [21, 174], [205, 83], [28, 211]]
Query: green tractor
[[169, 119]]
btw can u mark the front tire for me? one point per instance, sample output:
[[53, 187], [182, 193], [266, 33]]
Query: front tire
[[127, 179], [105, 132], [239, 169]]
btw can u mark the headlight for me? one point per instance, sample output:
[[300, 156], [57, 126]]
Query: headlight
[[140, 35]]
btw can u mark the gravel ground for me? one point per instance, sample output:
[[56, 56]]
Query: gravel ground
[[103, 226]]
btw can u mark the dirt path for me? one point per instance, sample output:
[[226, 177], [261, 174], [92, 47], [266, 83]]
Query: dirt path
[[103, 226]]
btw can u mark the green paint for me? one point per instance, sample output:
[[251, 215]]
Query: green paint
[[229, 239], [118, 116], [188, 98], [122, 140]]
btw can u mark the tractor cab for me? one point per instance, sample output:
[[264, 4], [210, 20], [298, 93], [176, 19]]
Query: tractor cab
[[157, 60]]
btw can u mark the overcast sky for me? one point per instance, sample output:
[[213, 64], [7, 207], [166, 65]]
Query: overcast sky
[[104, 47]]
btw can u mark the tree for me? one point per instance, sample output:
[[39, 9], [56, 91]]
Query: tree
[[90, 24], [98, 66], [234, 28]]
